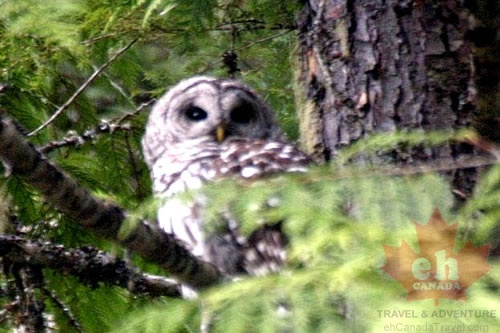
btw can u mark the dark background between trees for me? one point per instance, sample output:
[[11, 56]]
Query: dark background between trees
[[399, 97]]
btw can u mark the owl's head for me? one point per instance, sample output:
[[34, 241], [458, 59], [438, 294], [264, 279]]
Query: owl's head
[[207, 109]]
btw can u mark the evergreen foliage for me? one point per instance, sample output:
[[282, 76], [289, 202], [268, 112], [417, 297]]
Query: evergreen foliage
[[334, 281], [338, 216]]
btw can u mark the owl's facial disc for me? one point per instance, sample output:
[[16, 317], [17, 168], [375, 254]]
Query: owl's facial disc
[[220, 119]]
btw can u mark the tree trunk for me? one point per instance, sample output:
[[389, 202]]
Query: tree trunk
[[384, 66], [486, 61]]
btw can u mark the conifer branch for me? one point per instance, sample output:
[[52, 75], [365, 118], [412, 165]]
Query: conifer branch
[[82, 88], [104, 219]]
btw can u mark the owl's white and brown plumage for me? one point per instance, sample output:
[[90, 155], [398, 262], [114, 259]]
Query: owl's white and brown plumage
[[205, 129]]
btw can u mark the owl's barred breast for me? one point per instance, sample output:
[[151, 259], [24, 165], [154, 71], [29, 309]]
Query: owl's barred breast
[[237, 157]]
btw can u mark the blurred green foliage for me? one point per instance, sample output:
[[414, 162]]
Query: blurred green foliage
[[338, 217], [338, 223]]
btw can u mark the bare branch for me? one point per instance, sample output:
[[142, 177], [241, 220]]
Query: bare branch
[[263, 40], [80, 90], [75, 140], [242, 25], [90, 265], [102, 218]]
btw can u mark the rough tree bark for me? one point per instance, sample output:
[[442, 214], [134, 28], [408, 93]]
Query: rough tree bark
[[384, 66]]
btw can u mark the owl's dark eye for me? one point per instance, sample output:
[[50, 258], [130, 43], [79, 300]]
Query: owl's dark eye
[[195, 113], [243, 114]]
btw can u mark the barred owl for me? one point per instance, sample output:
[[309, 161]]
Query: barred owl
[[205, 129]]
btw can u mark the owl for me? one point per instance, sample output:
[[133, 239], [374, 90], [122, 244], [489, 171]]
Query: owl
[[203, 130]]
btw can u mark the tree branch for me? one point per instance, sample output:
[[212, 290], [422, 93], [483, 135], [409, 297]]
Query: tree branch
[[75, 140], [102, 218], [90, 265]]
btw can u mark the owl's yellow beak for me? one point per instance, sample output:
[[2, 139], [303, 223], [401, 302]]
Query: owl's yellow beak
[[220, 133]]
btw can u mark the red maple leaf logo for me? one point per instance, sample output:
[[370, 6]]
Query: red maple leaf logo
[[436, 271]]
